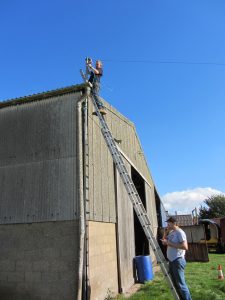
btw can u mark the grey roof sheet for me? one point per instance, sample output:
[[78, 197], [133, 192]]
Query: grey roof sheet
[[43, 95], [184, 220]]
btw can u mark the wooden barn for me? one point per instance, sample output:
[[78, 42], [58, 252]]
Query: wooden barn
[[67, 227]]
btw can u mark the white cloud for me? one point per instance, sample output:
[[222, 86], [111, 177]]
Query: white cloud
[[183, 202]]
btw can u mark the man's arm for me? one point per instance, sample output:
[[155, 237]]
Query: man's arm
[[93, 69], [183, 245]]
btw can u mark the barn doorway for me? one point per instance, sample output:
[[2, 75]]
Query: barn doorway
[[141, 242]]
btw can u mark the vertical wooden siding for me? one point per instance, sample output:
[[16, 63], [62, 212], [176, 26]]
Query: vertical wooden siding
[[197, 248], [125, 234], [152, 214], [124, 130], [101, 173]]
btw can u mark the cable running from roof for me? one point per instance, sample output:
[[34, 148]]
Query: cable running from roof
[[164, 62]]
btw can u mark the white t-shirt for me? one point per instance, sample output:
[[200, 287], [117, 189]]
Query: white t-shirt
[[176, 236]]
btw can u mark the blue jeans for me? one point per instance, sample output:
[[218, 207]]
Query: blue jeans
[[95, 91], [98, 102], [176, 269]]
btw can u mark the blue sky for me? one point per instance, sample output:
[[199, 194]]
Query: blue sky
[[164, 68]]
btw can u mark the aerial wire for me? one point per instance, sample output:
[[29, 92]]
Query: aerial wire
[[163, 62]]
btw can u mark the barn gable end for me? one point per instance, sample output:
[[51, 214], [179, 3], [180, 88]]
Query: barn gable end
[[66, 220]]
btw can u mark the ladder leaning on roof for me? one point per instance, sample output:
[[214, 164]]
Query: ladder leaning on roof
[[134, 198]]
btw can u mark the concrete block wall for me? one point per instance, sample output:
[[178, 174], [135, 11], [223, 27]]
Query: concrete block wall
[[102, 260], [39, 261]]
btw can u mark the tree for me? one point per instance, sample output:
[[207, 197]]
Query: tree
[[215, 207]]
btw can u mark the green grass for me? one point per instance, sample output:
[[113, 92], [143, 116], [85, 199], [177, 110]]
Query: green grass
[[202, 280]]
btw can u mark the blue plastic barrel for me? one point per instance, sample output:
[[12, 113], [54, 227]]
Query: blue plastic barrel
[[144, 268]]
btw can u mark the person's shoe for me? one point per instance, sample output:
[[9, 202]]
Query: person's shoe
[[94, 113], [102, 111]]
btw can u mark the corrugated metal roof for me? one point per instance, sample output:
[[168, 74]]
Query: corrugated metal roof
[[38, 160], [183, 220], [43, 95]]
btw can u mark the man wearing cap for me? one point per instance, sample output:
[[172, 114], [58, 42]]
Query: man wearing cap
[[176, 242]]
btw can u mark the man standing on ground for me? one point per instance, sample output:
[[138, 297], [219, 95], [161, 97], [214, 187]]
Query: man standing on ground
[[176, 242]]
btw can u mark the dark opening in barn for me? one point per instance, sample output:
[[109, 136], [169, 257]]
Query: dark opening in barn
[[141, 242]]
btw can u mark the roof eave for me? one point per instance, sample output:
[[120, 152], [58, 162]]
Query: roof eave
[[44, 95]]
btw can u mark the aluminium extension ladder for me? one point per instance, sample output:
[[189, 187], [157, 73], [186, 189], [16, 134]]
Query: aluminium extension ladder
[[134, 198]]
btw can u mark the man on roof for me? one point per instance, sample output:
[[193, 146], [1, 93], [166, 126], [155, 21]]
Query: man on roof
[[95, 77]]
